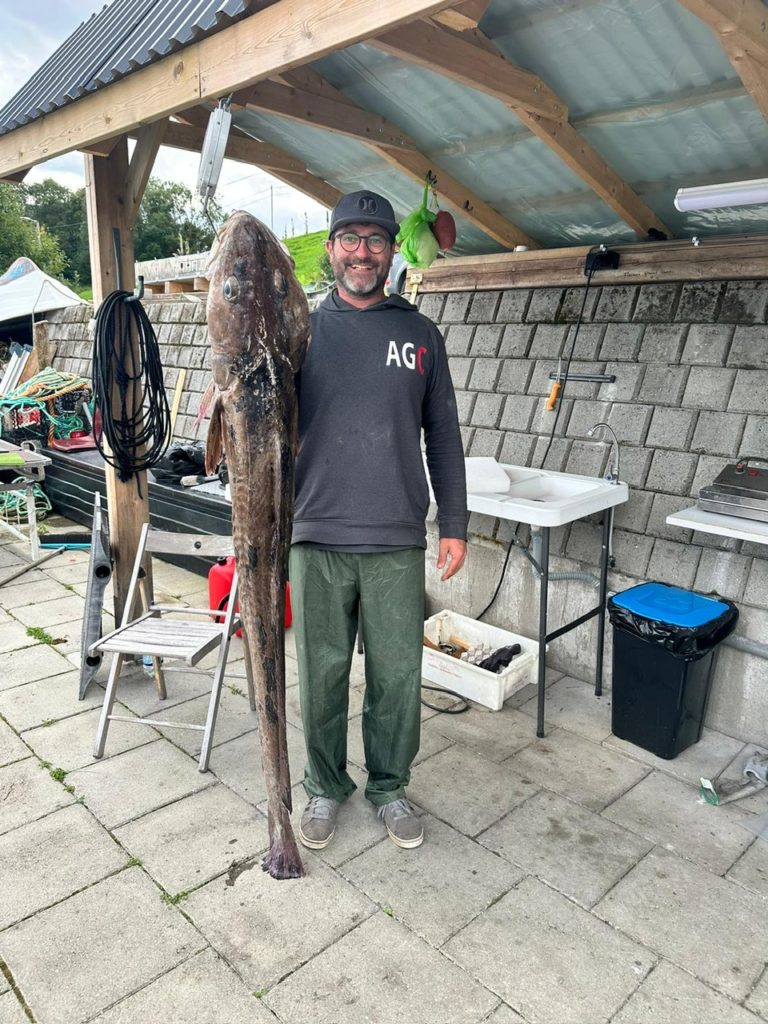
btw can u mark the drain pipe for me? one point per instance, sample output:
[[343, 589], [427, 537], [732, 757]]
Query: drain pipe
[[534, 557], [742, 643]]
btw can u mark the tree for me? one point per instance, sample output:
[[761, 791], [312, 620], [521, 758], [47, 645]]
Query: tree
[[21, 236], [169, 224], [62, 212]]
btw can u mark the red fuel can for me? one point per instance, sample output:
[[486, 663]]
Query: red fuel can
[[220, 578]]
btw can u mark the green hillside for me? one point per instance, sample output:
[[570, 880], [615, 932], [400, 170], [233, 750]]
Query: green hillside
[[307, 251]]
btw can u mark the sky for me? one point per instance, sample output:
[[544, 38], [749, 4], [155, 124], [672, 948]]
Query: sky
[[33, 29]]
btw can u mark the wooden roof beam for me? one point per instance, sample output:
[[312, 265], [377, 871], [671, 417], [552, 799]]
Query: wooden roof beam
[[148, 141], [416, 165], [240, 148], [744, 22], [753, 74], [451, 54], [324, 112], [273, 40], [463, 16], [558, 135]]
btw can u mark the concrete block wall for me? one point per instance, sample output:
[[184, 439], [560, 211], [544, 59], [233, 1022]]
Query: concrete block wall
[[690, 395], [180, 326]]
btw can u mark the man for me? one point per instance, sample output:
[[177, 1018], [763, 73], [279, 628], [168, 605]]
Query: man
[[375, 376]]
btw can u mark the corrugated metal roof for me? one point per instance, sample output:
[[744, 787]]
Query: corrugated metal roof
[[646, 83], [123, 36]]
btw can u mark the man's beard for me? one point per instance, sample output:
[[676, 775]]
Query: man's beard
[[344, 278]]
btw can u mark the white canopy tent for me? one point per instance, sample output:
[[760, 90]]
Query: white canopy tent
[[25, 290]]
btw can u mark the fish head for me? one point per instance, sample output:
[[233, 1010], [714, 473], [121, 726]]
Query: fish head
[[257, 310]]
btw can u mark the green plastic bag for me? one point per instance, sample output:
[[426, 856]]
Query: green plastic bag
[[418, 245]]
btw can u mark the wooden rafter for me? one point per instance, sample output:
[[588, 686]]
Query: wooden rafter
[[462, 16], [323, 111], [451, 54], [559, 135], [240, 148], [416, 165], [744, 22], [742, 29], [280, 37]]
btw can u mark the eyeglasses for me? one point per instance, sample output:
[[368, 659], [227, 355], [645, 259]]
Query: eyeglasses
[[349, 241]]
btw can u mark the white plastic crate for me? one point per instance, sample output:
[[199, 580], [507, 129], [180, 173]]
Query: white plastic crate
[[478, 684]]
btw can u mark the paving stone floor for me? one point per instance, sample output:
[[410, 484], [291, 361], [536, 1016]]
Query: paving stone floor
[[574, 879]]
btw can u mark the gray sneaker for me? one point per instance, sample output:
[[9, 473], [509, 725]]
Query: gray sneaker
[[318, 822], [403, 826]]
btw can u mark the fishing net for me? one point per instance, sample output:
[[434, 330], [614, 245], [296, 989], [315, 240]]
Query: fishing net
[[49, 405]]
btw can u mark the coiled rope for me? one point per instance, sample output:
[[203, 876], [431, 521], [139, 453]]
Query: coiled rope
[[137, 424]]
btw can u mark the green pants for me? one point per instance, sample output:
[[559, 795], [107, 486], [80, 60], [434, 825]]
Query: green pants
[[330, 591]]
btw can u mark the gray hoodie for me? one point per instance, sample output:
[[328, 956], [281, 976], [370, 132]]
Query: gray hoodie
[[372, 380]]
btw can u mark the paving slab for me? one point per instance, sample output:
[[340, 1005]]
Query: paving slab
[[197, 838], [39, 662], [548, 959], [467, 791], [11, 559], [28, 792], [238, 763], [708, 925], [266, 928], [24, 592], [710, 756], [68, 743], [11, 747], [234, 718], [574, 767], [504, 1015], [137, 690], [758, 1000], [670, 813], [751, 870], [572, 704], [121, 788], [81, 956], [566, 845], [11, 1010], [494, 734], [13, 637], [671, 996], [380, 972], [203, 990], [47, 860], [46, 700], [48, 614], [412, 883], [68, 634]]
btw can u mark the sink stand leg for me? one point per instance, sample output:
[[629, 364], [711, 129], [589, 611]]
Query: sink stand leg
[[543, 591], [605, 552]]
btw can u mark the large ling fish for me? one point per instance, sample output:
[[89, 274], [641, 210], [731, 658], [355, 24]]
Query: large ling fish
[[258, 327]]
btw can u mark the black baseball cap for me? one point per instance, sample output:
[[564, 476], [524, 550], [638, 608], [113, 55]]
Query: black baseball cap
[[364, 207]]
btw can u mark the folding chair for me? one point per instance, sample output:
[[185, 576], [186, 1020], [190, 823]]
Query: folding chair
[[160, 637]]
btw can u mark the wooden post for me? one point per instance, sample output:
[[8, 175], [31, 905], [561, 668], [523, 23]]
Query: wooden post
[[109, 207]]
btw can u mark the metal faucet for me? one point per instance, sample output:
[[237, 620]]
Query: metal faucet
[[613, 468]]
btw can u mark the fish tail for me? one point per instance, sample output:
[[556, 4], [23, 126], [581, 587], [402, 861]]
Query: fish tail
[[283, 859], [214, 444]]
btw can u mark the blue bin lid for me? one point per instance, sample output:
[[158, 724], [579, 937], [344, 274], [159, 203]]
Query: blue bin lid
[[670, 604]]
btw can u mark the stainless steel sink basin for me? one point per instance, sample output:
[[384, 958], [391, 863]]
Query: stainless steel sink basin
[[539, 497]]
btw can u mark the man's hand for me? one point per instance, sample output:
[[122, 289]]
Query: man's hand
[[451, 555]]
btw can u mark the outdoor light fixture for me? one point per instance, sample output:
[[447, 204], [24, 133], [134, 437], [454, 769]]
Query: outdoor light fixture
[[730, 193]]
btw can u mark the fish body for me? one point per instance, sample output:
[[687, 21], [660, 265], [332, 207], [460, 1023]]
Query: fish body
[[258, 329]]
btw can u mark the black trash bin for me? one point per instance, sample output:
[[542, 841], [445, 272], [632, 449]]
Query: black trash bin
[[664, 649]]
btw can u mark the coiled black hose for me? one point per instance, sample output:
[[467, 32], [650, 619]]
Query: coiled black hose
[[137, 426]]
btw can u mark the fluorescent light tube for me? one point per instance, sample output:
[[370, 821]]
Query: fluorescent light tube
[[731, 193]]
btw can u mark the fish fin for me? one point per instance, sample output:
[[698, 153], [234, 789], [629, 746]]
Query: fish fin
[[214, 444], [206, 401]]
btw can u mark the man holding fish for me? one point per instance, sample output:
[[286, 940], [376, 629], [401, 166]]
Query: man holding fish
[[374, 378]]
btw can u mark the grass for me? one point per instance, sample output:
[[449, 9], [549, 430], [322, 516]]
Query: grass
[[173, 900], [86, 293], [39, 634], [307, 251]]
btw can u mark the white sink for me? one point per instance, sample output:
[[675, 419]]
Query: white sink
[[539, 497]]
